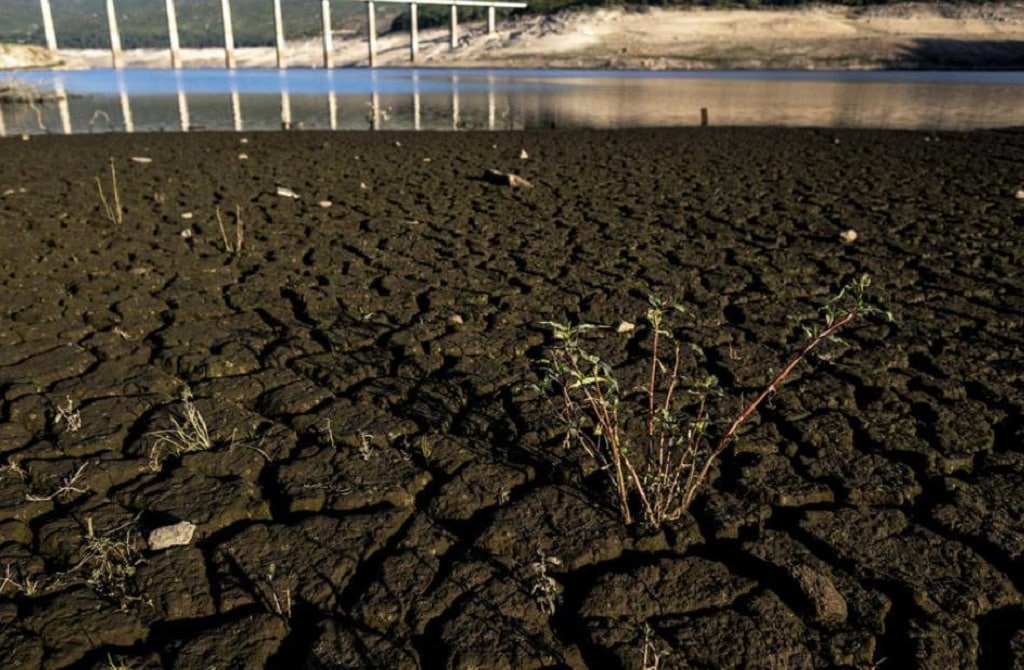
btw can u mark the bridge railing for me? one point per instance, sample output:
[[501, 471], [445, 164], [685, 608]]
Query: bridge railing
[[174, 44]]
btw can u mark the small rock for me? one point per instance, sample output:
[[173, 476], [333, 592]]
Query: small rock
[[455, 320], [828, 605], [141, 159], [325, 204], [244, 140], [172, 536], [505, 179], [286, 192], [1020, 194], [625, 327], [187, 216], [523, 155], [363, 185], [243, 157], [186, 234], [26, 137], [848, 236]]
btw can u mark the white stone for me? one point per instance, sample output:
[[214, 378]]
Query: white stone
[[848, 236], [172, 536]]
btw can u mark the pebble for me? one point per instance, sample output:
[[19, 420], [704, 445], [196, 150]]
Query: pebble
[[848, 236], [326, 204], [172, 536]]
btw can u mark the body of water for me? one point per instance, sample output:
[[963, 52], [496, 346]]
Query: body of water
[[447, 99]]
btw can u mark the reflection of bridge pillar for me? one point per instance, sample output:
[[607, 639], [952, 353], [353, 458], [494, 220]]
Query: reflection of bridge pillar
[[455, 102], [51, 35], [416, 100], [491, 104], [236, 103], [236, 111], [172, 35], [62, 105], [229, 34], [286, 104], [115, 37], [332, 101], [286, 110], [126, 105], [183, 115], [3, 128]]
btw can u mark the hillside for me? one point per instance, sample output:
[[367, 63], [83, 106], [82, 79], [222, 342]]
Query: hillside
[[823, 37], [82, 23]]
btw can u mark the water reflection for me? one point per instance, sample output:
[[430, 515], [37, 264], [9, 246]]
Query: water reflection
[[133, 100]]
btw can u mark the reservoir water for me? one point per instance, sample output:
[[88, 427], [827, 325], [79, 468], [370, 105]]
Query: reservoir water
[[449, 99]]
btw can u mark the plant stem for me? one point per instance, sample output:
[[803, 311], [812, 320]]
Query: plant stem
[[691, 491]]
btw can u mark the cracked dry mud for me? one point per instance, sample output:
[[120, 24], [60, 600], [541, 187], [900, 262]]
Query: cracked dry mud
[[385, 489]]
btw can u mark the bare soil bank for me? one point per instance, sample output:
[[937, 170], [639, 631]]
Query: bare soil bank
[[920, 36], [385, 482]]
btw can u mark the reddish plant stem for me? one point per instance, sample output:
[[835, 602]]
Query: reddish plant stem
[[776, 381]]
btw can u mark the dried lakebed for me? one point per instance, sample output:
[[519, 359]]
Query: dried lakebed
[[386, 488]]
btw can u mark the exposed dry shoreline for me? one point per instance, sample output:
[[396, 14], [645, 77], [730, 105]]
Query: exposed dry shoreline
[[922, 36], [385, 476]]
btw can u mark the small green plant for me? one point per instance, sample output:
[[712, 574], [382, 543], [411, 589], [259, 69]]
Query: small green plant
[[659, 443], [187, 436], [115, 213]]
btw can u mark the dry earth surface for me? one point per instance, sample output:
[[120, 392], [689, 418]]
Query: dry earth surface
[[821, 37], [385, 486]]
